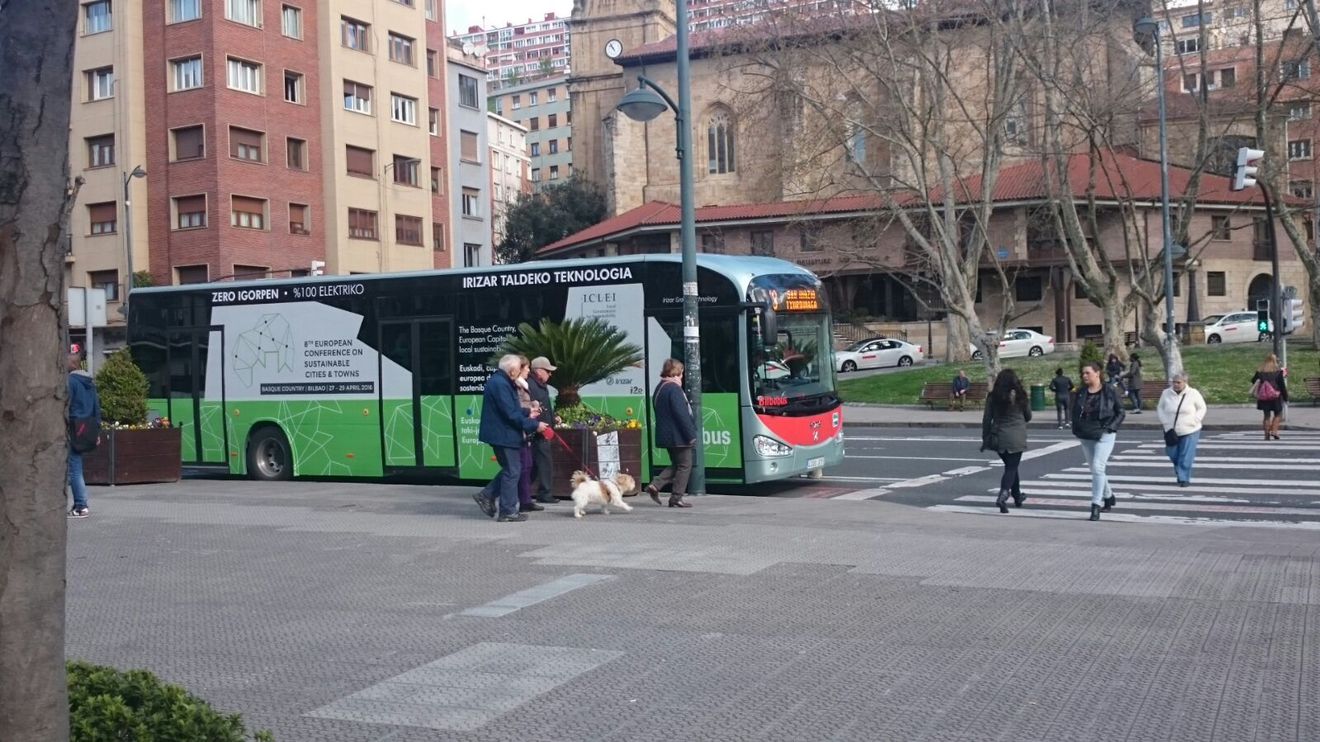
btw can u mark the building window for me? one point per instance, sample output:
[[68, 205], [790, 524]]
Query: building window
[[713, 243], [293, 87], [361, 162], [536, 175], [103, 217], [355, 34], [432, 63], [550, 95], [401, 49], [471, 202], [471, 255], [245, 76], [96, 17], [469, 151], [554, 172], [189, 212], [1028, 288], [437, 236], [467, 91], [720, 144], [408, 3], [1216, 283], [107, 281], [1188, 46], [517, 102], [536, 149], [1301, 189], [185, 10], [1299, 111], [1227, 77], [291, 21], [1220, 229], [250, 272], [763, 243], [810, 240], [405, 170], [296, 153], [189, 143], [433, 121], [246, 144], [299, 222], [437, 184], [1299, 70], [247, 12], [856, 145], [1196, 20], [1189, 82], [551, 121], [361, 224], [403, 109], [531, 99], [101, 83], [357, 97], [554, 146], [101, 151], [534, 123], [192, 274], [187, 73], [248, 213], [1299, 149], [408, 230], [432, 9]]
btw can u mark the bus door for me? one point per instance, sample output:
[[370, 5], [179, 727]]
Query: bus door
[[417, 411], [200, 418]]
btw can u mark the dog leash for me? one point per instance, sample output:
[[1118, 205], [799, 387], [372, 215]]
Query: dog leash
[[562, 442]]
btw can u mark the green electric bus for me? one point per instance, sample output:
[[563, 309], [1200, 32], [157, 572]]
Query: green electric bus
[[382, 375]]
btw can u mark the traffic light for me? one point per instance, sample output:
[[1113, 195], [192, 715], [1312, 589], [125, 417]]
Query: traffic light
[[1262, 320], [1248, 164], [1293, 315], [318, 267]]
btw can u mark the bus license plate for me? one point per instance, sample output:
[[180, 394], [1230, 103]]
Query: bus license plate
[[816, 463]]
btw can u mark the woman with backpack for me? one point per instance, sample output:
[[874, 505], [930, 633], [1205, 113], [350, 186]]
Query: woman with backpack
[[1270, 389], [1097, 414], [1004, 431]]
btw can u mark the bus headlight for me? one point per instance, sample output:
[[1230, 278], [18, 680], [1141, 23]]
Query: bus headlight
[[771, 448]]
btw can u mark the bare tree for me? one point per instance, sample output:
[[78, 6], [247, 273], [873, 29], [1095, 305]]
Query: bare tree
[[36, 47]]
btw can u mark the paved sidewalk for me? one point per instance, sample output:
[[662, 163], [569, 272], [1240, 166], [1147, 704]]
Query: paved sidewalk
[[1220, 417]]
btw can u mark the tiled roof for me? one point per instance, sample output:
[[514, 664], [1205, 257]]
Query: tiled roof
[[1117, 176]]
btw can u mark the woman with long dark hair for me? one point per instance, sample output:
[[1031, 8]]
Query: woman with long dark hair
[[1004, 431], [1096, 416]]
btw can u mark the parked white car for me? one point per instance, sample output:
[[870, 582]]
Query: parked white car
[[1016, 342], [876, 353], [1235, 327]]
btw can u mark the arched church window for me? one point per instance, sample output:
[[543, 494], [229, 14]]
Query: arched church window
[[720, 143]]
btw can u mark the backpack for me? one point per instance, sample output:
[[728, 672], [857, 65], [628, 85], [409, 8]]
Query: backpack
[[85, 432], [1266, 392]]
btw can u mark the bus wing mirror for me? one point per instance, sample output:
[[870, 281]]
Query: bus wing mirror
[[769, 326]]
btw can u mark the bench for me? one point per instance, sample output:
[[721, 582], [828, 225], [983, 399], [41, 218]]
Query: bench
[[1151, 389], [942, 391], [1313, 388]]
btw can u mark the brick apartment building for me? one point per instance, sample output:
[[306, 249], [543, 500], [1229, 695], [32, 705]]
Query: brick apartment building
[[542, 106], [273, 133]]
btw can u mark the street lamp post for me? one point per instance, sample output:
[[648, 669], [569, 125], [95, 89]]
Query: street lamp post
[[1150, 26], [642, 104], [138, 172]]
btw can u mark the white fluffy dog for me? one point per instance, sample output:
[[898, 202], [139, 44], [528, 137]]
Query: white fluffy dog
[[605, 493]]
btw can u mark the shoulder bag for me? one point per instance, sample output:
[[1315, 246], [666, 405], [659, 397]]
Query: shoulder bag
[[1171, 438]]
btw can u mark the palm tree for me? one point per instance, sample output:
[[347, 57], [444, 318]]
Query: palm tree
[[584, 351]]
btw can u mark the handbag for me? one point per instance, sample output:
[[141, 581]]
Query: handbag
[[1171, 438], [990, 441], [1267, 392]]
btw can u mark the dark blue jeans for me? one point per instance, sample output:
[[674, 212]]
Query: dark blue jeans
[[505, 484], [75, 478]]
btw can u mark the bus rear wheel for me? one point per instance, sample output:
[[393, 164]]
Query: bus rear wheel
[[269, 457]]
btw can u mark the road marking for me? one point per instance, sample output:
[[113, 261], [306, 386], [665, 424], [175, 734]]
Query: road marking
[[868, 494], [1211, 465], [1082, 473], [1234, 459], [531, 596], [1168, 506], [840, 478], [909, 439], [1052, 449], [1083, 489], [911, 458], [1173, 490], [1080, 514]]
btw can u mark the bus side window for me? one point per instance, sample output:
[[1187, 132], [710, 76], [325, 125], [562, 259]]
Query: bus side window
[[719, 348]]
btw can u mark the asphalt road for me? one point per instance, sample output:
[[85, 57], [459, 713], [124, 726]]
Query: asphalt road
[[1238, 478]]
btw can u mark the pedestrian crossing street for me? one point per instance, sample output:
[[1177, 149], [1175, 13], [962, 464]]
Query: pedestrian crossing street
[[1239, 479]]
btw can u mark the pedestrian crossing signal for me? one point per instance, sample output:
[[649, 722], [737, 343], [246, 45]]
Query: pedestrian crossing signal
[[1262, 320]]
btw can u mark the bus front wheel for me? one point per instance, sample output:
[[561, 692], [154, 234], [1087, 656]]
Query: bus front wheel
[[269, 457]]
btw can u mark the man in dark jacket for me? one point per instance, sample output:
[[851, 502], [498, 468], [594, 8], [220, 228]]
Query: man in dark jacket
[[1062, 387], [84, 404], [542, 462], [504, 427]]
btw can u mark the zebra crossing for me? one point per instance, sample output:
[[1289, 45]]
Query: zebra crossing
[[1239, 479]]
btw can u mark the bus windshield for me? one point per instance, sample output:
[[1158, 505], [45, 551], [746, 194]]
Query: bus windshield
[[796, 373]]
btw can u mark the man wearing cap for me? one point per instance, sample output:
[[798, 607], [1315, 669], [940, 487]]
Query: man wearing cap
[[542, 462]]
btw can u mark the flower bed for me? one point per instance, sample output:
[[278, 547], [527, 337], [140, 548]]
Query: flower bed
[[603, 452], [134, 456]]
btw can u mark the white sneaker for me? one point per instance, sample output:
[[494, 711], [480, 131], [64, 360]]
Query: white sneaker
[[79, 512]]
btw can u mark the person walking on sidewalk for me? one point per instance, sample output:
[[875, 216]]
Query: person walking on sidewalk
[[542, 461], [533, 409], [1004, 431], [1270, 389], [1132, 380], [1062, 387], [1181, 410], [504, 427], [676, 432], [84, 425], [1097, 414]]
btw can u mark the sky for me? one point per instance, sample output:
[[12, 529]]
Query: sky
[[459, 14]]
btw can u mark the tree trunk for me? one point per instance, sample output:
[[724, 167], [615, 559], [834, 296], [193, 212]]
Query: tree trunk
[[36, 47], [1152, 331], [955, 347], [1115, 332]]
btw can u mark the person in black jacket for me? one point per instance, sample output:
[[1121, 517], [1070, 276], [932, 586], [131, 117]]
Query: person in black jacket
[[1270, 389], [1062, 387], [1004, 431], [84, 405], [1097, 414], [542, 461], [676, 432]]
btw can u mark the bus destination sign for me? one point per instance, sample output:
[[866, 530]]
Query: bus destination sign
[[801, 300]]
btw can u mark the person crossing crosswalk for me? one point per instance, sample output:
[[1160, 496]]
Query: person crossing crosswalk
[[1240, 480]]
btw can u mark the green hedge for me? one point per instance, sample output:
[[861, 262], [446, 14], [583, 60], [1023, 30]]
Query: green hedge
[[107, 705]]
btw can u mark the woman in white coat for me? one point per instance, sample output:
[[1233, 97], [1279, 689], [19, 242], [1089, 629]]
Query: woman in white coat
[[1181, 410]]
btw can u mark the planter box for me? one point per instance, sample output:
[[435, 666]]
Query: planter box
[[584, 450], [135, 457]]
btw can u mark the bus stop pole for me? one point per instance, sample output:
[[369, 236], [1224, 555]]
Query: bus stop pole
[[691, 319]]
